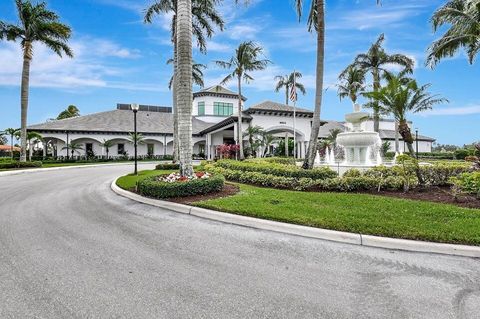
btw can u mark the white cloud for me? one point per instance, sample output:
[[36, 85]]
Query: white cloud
[[465, 110], [87, 69]]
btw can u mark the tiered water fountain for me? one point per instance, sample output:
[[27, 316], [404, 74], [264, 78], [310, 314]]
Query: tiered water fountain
[[361, 148]]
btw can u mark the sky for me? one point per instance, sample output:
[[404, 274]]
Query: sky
[[119, 59]]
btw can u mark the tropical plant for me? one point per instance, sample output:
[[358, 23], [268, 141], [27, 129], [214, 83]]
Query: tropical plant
[[400, 97], [107, 144], [73, 147], [315, 22], [69, 112], [3, 139], [463, 17], [267, 140], [197, 74], [287, 81], [37, 24], [247, 58], [352, 83], [254, 134], [203, 17], [376, 61], [385, 148], [12, 132], [136, 138]]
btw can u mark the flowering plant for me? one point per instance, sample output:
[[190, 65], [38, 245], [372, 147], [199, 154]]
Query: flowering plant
[[176, 177], [227, 150]]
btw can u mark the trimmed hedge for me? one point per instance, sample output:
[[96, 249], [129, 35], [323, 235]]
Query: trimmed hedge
[[11, 165], [167, 166], [274, 169], [468, 183], [438, 174], [338, 184], [152, 187]]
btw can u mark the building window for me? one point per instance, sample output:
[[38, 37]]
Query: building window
[[121, 149], [201, 108], [89, 150], [222, 109], [150, 149]]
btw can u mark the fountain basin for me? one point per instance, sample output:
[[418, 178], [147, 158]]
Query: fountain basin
[[357, 139]]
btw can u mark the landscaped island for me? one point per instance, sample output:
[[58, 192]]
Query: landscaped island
[[375, 202]]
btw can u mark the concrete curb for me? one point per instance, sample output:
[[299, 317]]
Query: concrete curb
[[39, 170], [305, 231]]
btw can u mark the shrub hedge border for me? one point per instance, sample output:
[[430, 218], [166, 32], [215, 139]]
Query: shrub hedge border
[[152, 187]]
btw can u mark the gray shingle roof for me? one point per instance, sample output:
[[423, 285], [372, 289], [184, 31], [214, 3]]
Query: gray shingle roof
[[330, 125], [119, 121], [390, 135], [278, 107], [217, 90]]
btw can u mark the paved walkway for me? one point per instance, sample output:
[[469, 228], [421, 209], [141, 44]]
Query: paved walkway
[[70, 248]]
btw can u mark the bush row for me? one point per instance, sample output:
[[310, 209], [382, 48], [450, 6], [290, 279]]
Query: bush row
[[468, 183], [338, 184], [434, 175], [277, 169], [8, 165], [152, 187], [167, 166]]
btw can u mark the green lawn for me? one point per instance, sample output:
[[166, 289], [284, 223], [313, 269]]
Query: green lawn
[[129, 181], [357, 213]]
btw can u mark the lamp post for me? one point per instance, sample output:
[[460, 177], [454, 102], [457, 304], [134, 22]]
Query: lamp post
[[416, 141], [135, 108]]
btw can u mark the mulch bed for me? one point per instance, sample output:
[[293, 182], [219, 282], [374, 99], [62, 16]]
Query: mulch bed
[[228, 190], [436, 195]]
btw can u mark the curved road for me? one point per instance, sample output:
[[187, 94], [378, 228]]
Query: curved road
[[70, 248]]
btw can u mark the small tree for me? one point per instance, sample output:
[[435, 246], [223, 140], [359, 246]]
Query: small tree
[[73, 147], [107, 144], [12, 132]]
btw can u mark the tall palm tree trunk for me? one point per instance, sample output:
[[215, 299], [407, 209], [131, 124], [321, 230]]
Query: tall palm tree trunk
[[11, 145], [286, 94], [174, 102], [406, 134], [397, 139], [376, 107], [239, 126], [184, 87], [27, 58], [312, 147]]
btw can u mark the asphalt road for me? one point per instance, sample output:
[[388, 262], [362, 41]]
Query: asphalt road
[[70, 248]]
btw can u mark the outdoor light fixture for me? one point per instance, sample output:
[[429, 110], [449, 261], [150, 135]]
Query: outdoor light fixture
[[135, 107]]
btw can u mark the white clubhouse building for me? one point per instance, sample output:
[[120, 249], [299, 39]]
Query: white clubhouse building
[[214, 123]]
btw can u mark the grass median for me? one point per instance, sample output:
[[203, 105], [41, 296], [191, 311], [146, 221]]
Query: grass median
[[356, 213]]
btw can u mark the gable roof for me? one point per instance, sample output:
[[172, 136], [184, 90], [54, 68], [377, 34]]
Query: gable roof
[[276, 107], [217, 90], [119, 121]]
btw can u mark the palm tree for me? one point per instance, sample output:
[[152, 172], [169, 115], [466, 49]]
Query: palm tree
[[12, 132], [73, 147], [402, 96], [107, 144], [3, 139], [37, 24], [69, 112], [286, 82], [32, 139], [204, 17], [197, 74], [138, 138], [246, 59], [253, 133], [315, 22], [267, 140], [463, 16], [376, 61], [352, 84]]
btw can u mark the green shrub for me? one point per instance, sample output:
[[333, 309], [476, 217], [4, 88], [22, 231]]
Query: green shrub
[[167, 166], [352, 173], [11, 165], [277, 169], [280, 160], [152, 187], [338, 184], [462, 153], [468, 183]]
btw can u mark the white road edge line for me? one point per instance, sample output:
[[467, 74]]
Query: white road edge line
[[305, 231]]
